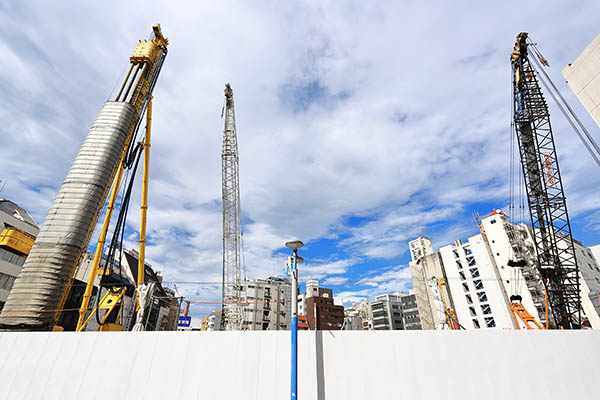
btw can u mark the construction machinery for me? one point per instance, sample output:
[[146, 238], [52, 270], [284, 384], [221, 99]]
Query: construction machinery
[[232, 309], [519, 312], [551, 228], [110, 148], [451, 319]]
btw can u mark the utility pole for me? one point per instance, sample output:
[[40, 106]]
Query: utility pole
[[293, 265], [232, 310]]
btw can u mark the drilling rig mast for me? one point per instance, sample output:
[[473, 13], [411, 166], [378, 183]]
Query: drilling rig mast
[[232, 311], [41, 289], [545, 194]]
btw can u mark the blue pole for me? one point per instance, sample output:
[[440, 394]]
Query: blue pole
[[294, 380]]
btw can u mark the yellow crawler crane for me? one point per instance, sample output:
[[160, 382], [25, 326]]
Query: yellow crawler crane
[[39, 293]]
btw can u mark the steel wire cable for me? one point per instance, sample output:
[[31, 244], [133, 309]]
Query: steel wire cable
[[541, 60], [595, 155], [119, 231]]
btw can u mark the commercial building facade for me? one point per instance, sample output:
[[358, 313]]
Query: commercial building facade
[[431, 293], [18, 231], [410, 312], [387, 312], [267, 304], [395, 311], [319, 308]]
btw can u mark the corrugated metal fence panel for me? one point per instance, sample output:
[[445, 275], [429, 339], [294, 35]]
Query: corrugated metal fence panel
[[491, 364], [45, 274]]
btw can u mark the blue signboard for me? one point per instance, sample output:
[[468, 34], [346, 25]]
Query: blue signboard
[[184, 322]]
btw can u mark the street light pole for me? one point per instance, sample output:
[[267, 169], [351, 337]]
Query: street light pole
[[294, 259]]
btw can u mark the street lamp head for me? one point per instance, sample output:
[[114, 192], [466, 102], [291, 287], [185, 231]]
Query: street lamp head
[[299, 259], [294, 244]]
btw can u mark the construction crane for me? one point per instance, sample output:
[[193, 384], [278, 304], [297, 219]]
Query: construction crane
[[555, 251], [40, 291], [232, 309], [451, 319]]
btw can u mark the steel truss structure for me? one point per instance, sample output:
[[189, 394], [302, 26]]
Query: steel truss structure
[[545, 194], [232, 309]]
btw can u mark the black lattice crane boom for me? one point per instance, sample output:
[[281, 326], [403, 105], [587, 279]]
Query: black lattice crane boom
[[545, 194]]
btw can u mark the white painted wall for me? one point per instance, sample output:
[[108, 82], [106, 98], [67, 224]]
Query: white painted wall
[[589, 272], [484, 364], [583, 76]]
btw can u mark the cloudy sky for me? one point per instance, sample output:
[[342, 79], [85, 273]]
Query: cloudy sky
[[361, 125]]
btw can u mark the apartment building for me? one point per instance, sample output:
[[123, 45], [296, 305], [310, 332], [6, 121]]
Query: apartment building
[[479, 297], [268, 304], [319, 308]]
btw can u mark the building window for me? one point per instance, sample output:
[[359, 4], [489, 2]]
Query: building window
[[6, 281], [472, 310], [482, 296], [469, 299], [478, 284], [485, 308], [458, 264], [493, 221], [489, 321], [474, 272], [471, 261], [476, 324], [462, 275], [456, 253], [467, 251], [466, 287]]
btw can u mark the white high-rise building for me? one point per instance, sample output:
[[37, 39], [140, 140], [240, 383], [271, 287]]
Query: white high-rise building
[[480, 299], [509, 243]]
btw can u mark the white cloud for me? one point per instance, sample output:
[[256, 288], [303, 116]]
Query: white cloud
[[392, 111]]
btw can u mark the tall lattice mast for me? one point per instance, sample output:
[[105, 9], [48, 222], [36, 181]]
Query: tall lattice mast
[[232, 310], [545, 194]]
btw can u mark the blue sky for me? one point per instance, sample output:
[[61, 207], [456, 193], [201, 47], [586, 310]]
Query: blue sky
[[360, 126]]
